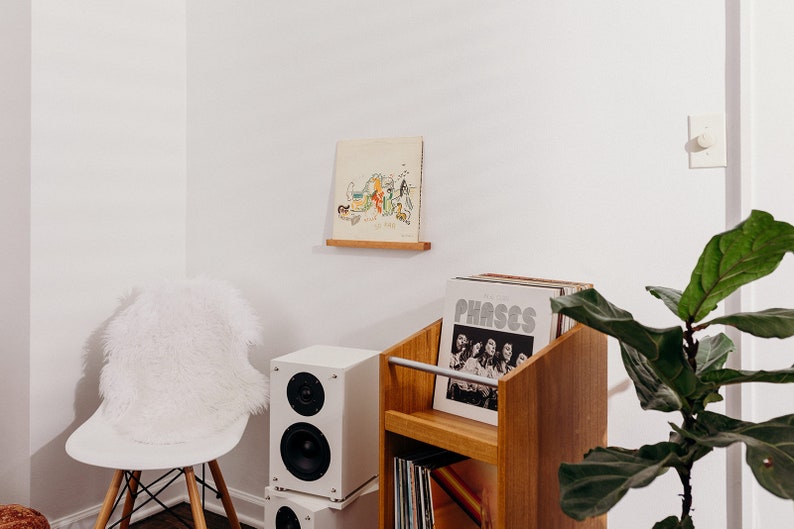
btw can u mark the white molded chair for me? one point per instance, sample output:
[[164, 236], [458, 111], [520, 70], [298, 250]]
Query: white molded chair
[[195, 334]]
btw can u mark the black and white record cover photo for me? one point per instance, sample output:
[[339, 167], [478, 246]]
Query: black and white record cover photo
[[487, 353]]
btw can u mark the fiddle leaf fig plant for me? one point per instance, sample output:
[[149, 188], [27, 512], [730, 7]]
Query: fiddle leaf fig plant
[[676, 369]]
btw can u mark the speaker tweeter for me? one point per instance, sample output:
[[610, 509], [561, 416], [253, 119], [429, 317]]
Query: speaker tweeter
[[305, 394]]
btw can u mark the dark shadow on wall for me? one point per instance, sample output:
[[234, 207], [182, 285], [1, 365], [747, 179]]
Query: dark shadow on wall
[[60, 486]]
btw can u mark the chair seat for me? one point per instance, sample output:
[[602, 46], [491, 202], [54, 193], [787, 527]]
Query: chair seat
[[96, 442]]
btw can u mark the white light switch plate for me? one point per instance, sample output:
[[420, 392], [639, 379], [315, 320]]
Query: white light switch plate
[[713, 127]]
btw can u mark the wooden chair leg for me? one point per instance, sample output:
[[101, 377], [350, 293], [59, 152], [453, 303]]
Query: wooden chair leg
[[129, 501], [110, 499], [220, 484], [195, 501]]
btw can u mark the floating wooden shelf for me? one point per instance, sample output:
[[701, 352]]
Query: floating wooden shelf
[[552, 408], [416, 246]]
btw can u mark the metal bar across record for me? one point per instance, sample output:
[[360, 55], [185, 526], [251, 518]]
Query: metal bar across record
[[451, 373]]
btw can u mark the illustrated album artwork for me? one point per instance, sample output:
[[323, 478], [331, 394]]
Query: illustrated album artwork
[[377, 189], [491, 324]]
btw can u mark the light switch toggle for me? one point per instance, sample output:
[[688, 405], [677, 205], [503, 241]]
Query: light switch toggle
[[706, 140], [707, 145]]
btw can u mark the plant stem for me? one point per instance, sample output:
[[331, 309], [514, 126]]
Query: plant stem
[[685, 474], [690, 344], [685, 471]]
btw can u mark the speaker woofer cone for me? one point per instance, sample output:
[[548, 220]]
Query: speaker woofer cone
[[305, 394], [287, 519], [305, 451]]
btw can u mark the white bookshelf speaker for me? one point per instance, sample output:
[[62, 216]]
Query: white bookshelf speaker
[[324, 421], [295, 510]]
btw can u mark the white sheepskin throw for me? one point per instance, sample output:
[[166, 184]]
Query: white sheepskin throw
[[176, 362]]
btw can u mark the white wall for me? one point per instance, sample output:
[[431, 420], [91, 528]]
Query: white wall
[[15, 241], [107, 206], [554, 146]]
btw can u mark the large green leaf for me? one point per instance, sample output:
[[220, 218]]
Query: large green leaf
[[769, 323], [724, 377], [651, 391], [713, 352], [595, 485], [770, 447], [662, 347], [670, 296], [712, 381], [734, 258]]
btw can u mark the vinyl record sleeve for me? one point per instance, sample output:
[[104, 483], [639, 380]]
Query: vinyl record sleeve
[[489, 328], [377, 189]]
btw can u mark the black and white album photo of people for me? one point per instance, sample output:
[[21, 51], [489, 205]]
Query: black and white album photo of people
[[488, 353]]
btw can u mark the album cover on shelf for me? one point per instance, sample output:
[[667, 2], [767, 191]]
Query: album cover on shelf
[[491, 324], [377, 189]]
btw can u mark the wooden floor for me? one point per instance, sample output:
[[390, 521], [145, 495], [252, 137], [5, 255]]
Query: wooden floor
[[165, 520]]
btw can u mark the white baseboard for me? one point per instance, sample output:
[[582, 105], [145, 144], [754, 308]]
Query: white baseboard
[[85, 519], [250, 510], [249, 507]]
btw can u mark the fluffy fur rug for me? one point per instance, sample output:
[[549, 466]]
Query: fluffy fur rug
[[176, 362]]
